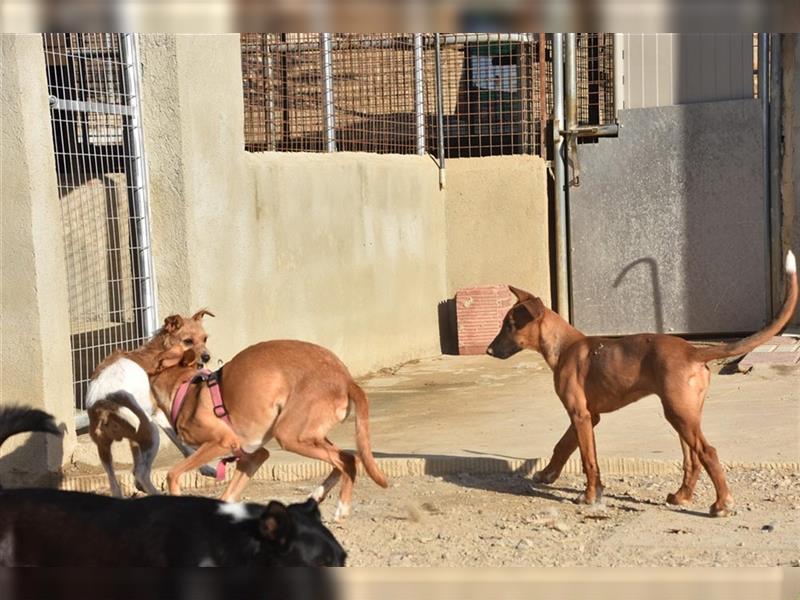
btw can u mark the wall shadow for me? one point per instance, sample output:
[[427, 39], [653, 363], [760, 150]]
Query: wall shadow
[[448, 329]]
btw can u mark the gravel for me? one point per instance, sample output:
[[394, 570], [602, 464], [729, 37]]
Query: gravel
[[506, 520]]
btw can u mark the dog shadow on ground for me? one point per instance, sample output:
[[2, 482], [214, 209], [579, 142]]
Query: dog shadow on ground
[[491, 473], [28, 466]]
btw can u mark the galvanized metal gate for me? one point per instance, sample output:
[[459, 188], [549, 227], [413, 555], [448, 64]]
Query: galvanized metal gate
[[93, 83], [668, 228]]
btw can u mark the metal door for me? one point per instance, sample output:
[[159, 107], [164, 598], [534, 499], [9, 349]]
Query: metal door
[[93, 83], [668, 228]]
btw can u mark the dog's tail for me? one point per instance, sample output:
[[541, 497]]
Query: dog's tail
[[115, 411], [19, 419], [747, 344], [359, 399]]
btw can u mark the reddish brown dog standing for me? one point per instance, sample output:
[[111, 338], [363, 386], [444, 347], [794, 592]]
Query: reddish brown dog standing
[[595, 375], [292, 391]]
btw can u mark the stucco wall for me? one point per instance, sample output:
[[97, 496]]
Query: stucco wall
[[790, 184], [34, 341], [497, 230]]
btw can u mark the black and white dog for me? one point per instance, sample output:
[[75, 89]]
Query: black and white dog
[[44, 527]]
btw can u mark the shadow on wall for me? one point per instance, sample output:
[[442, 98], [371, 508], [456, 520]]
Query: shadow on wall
[[27, 465], [658, 308], [448, 331]]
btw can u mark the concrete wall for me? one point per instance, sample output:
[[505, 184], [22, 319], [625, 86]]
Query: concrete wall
[[497, 223], [34, 341], [790, 184]]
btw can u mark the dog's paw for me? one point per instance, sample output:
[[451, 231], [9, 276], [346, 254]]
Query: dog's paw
[[678, 500], [585, 498], [543, 477], [726, 510], [342, 511]]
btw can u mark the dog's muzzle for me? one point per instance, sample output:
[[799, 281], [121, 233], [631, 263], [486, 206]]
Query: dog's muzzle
[[205, 357]]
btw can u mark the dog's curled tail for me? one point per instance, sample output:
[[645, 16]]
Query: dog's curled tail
[[359, 399], [747, 344], [115, 411], [19, 419]]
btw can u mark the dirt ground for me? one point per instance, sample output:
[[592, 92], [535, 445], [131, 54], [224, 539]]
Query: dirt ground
[[506, 520]]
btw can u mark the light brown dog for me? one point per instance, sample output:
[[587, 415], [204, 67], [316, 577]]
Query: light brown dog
[[292, 391], [595, 375], [119, 403]]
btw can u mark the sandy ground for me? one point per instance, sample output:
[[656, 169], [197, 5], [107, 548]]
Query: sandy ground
[[505, 520]]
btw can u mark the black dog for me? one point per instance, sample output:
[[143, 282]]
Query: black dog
[[43, 527]]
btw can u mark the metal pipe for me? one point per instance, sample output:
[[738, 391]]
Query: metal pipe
[[619, 72], [439, 110], [401, 41], [607, 130], [270, 73], [559, 168], [419, 93], [571, 105], [763, 96], [542, 96], [775, 125], [140, 209], [327, 92]]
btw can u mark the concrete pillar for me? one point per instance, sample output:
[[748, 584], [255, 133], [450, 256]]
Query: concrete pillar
[[193, 122], [34, 343]]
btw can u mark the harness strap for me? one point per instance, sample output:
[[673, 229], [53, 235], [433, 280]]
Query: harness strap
[[212, 380]]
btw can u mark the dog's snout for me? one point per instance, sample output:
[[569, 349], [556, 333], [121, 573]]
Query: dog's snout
[[205, 357]]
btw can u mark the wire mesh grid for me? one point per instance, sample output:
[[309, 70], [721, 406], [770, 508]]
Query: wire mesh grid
[[99, 166], [496, 88], [595, 78]]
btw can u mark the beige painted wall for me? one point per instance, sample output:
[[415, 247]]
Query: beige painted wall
[[34, 341], [497, 230]]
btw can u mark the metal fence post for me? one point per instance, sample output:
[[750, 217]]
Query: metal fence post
[[619, 81], [140, 217], [562, 272], [419, 93], [439, 110], [327, 92]]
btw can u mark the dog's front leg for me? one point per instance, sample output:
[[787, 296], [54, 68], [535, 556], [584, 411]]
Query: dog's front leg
[[206, 452], [561, 453], [161, 419], [582, 422]]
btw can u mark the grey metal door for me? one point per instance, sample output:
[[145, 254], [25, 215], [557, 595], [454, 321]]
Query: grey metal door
[[668, 229]]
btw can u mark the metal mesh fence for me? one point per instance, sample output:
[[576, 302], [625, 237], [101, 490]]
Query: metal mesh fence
[[496, 91], [595, 78], [99, 167]]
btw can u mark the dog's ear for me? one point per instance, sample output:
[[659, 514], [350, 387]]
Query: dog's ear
[[276, 523], [521, 295], [311, 507], [527, 311], [198, 316], [174, 357], [172, 323]]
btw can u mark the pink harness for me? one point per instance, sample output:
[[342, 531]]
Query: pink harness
[[211, 379]]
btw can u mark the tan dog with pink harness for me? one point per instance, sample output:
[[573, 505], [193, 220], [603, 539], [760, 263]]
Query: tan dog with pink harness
[[292, 391]]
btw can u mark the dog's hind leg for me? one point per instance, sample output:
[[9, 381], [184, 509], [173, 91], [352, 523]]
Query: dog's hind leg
[[246, 467], [321, 491], [104, 451], [143, 456], [565, 447], [691, 473], [324, 449]]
